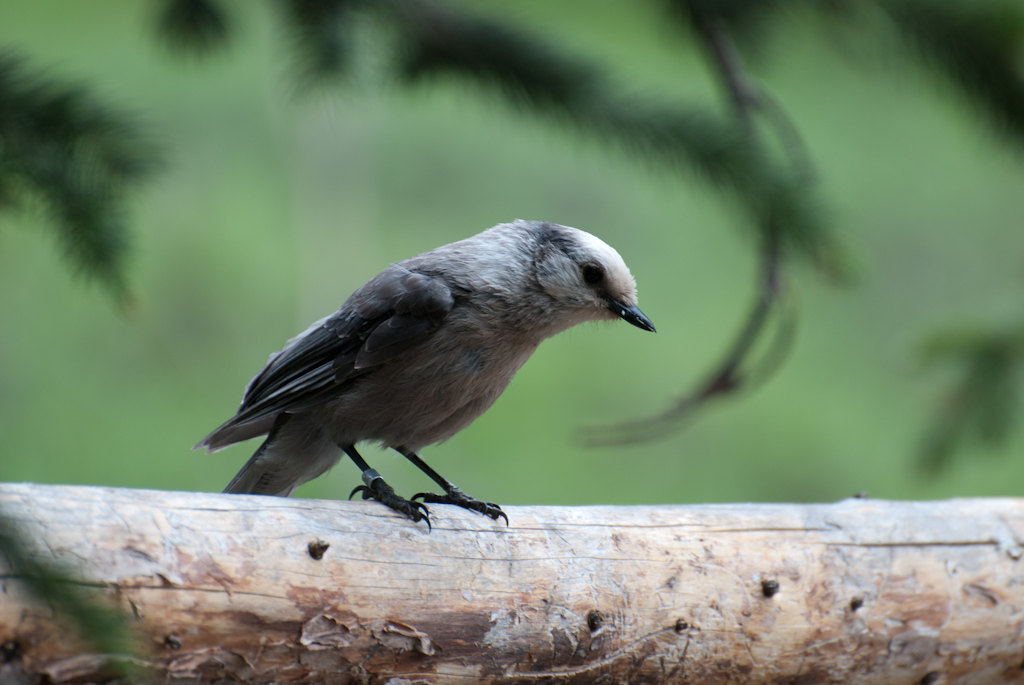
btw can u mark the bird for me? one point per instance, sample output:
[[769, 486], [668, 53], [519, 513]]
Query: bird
[[418, 353]]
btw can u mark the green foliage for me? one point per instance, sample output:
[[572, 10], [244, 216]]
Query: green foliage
[[437, 41], [75, 160], [750, 22], [976, 46], [321, 35], [197, 26], [540, 79], [984, 402]]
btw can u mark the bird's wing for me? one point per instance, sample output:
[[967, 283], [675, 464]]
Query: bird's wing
[[390, 314]]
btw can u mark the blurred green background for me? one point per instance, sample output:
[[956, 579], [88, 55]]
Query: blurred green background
[[273, 207]]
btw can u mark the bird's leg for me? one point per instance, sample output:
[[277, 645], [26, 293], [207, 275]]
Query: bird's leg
[[375, 488], [454, 495]]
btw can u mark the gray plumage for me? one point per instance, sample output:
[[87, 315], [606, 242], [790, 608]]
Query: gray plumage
[[420, 351]]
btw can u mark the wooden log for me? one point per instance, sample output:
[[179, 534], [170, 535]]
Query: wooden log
[[261, 589]]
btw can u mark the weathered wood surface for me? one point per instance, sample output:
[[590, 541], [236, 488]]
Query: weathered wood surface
[[225, 587]]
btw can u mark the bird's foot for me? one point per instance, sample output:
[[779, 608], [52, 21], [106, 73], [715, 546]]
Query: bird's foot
[[460, 499], [377, 489]]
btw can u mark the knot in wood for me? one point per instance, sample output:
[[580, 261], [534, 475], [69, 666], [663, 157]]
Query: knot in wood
[[317, 549], [10, 651]]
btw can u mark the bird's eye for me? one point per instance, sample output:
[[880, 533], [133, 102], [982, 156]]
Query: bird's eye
[[592, 274]]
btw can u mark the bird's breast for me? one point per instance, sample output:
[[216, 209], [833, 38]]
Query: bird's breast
[[428, 394]]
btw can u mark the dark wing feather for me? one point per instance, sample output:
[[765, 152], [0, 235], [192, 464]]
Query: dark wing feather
[[389, 315], [392, 337]]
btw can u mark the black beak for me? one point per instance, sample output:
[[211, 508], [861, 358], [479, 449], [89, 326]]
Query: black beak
[[631, 314]]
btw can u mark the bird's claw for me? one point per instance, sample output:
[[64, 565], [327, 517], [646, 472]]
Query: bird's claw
[[460, 499], [381, 492]]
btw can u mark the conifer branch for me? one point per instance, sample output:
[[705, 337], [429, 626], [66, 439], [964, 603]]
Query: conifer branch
[[74, 159]]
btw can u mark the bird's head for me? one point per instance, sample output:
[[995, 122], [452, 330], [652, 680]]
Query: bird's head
[[585, 277]]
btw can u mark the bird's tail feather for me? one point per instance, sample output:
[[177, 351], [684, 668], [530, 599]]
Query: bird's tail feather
[[288, 458], [231, 432], [257, 478]]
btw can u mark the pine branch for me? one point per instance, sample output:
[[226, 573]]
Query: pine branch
[[984, 402], [976, 46], [540, 79], [64, 152], [749, 22], [320, 32], [199, 27], [749, 102], [731, 375]]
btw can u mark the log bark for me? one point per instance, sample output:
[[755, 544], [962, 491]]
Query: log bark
[[260, 589]]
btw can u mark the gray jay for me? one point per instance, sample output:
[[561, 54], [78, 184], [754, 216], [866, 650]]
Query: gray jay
[[418, 353]]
